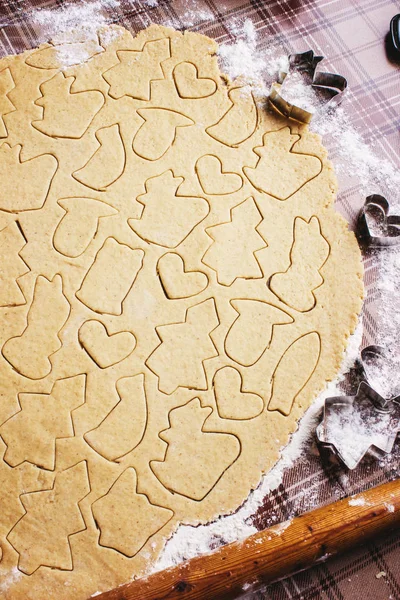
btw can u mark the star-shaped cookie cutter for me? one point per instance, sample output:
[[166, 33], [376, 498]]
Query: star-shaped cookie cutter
[[306, 61], [353, 425], [387, 227]]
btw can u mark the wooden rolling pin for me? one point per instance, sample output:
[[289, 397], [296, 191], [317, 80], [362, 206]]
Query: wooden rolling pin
[[273, 553]]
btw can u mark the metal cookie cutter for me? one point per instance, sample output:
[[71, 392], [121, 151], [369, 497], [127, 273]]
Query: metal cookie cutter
[[375, 227], [353, 425], [306, 61]]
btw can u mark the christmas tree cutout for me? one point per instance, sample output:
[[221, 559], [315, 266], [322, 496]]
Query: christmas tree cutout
[[6, 106], [31, 434], [133, 75], [232, 253], [34, 480], [280, 170], [43, 541], [195, 459], [12, 267]]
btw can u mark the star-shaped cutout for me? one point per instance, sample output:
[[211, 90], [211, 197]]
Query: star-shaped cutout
[[351, 425]]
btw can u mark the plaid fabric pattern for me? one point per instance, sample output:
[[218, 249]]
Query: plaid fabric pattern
[[351, 34]]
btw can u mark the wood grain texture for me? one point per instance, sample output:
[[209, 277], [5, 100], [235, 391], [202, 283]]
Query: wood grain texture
[[273, 553]]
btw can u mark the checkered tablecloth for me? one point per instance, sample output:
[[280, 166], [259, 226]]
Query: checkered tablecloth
[[351, 34]]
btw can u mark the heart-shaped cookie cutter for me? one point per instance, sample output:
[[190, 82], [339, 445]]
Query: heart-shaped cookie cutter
[[380, 413], [370, 356], [306, 61], [390, 235]]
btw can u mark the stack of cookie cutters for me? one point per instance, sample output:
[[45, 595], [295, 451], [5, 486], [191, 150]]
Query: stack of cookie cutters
[[376, 228], [306, 61], [380, 416]]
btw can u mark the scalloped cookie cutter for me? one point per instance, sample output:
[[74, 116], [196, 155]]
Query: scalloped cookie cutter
[[306, 61], [376, 209], [380, 414]]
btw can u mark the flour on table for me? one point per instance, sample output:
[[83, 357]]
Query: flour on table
[[6, 582], [360, 501], [84, 20], [245, 59], [189, 15], [87, 15]]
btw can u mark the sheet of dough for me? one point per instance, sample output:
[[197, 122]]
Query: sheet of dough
[[175, 289]]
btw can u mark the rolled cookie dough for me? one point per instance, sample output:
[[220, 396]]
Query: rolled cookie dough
[[175, 289]]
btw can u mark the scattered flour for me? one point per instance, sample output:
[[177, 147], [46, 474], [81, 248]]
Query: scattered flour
[[244, 59], [280, 527], [380, 574], [295, 91], [88, 15], [387, 375], [189, 15], [73, 29], [75, 54], [12, 578], [353, 156], [360, 501]]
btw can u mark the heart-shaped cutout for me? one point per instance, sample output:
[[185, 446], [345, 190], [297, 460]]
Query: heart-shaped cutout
[[232, 401], [176, 281], [103, 348], [189, 84], [375, 226], [213, 180]]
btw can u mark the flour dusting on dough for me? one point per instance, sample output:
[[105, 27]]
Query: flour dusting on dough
[[7, 582]]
